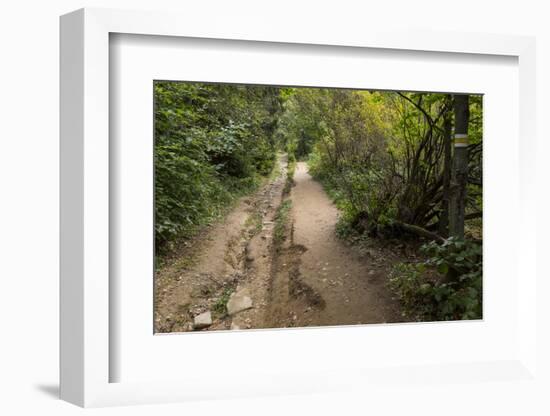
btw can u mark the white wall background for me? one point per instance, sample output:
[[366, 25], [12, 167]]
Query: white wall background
[[29, 115]]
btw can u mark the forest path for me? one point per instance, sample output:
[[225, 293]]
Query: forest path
[[332, 283], [310, 278]]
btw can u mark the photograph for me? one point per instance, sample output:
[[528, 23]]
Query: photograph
[[292, 207]]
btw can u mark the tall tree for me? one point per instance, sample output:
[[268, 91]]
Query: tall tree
[[459, 178]]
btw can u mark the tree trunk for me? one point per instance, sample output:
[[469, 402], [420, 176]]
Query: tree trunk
[[447, 166], [459, 177]]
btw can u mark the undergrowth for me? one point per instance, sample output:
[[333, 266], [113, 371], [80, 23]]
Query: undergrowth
[[291, 167], [220, 307], [446, 286], [281, 220]]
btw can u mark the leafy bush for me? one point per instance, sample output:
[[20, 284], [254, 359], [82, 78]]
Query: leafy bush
[[447, 286]]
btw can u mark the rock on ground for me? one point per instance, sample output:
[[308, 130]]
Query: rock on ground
[[238, 302], [203, 320]]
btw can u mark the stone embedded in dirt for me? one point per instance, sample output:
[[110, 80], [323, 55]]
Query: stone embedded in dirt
[[203, 320], [234, 326], [238, 303]]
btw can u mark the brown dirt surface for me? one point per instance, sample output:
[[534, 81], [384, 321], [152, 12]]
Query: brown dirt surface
[[306, 276], [229, 256], [326, 281]]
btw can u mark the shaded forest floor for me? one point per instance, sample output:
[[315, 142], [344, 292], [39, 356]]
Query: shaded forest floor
[[276, 261]]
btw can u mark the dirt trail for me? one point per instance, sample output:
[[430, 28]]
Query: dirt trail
[[329, 282], [305, 277]]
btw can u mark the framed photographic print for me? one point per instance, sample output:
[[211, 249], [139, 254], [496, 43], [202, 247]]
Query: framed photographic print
[[259, 188], [275, 212]]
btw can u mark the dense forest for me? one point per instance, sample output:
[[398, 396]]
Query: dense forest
[[401, 167]]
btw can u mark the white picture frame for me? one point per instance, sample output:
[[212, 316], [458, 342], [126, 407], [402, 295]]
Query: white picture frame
[[86, 356]]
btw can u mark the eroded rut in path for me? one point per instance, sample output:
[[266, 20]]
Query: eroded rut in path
[[231, 257]]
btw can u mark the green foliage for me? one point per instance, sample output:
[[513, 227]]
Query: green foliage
[[351, 158], [302, 122], [212, 143], [281, 221], [447, 286], [289, 183], [220, 307]]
